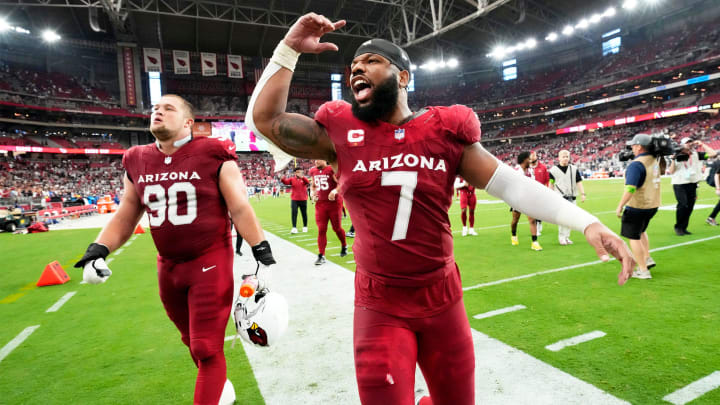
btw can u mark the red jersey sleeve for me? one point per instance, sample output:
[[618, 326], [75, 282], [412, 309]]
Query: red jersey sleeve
[[328, 110], [305, 181], [224, 150], [468, 130], [286, 181]]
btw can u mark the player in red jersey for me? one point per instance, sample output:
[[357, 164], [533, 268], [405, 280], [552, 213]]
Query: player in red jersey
[[396, 170], [328, 206], [467, 200], [298, 198], [542, 176], [187, 186]]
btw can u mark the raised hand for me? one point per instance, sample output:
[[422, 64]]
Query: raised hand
[[304, 35], [607, 243]]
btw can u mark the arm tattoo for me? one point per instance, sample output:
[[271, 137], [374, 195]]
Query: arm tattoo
[[300, 138]]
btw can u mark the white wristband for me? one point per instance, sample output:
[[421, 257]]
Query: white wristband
[[534, 200], [285, 56]]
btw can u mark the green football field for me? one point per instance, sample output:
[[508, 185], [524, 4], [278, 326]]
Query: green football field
[[113, 344]]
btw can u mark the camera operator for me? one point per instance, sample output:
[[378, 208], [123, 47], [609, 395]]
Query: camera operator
[[686, 171], [642, 196]]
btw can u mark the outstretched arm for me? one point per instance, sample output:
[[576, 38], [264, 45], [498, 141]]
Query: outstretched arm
[[481, 169], [295, 134]]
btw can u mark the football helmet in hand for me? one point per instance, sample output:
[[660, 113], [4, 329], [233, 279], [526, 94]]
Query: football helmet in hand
[[262, 319], [96, 271]]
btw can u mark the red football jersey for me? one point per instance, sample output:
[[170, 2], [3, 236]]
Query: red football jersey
[[467, 189], [324, 181], [180, 193], [298, 187], [541, 174], [397, 182]]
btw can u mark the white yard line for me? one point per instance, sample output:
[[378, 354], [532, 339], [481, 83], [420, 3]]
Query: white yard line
[[65, 298], [351, 262], [575, 340], [304, 240], [694, 390], [576, 266], [117, 252], [499, 311], [17, 340], [320, 301], [108, 261], [338, 254]]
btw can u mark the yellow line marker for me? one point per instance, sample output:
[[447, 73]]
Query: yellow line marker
[[12, 298], [29, 286]]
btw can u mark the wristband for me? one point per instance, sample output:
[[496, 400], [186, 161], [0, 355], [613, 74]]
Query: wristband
[[285, 56]]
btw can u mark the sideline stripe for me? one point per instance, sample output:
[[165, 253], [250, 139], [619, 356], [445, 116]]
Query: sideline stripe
[[14, 297], [17, 340], [694, 390], [65, 298], [575, 266], [557, 346], [499, 311]]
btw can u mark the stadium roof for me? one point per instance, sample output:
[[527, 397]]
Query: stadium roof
[[426, 28]]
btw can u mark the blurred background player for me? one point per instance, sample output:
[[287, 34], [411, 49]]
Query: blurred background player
[[542, 176], [298, 198], [713, 180], [686, 171], [524, 168], [566, 180], [187, 186], [467, 200], [328, 207]]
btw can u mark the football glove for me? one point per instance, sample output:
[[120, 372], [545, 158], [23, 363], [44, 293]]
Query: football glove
[[264, 257], [95, 270]]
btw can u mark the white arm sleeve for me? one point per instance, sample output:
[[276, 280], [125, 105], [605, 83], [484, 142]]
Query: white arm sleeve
[[534, 200], [282, 159]]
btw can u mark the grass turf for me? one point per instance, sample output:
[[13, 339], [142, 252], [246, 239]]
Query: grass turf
[[113, 344]]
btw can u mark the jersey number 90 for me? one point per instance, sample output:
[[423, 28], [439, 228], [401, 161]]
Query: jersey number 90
[[165, 204]]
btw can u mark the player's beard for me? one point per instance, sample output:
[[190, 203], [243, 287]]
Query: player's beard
[[382, 102], [161, 133]]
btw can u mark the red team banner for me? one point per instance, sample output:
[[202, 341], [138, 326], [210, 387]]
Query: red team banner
[[181, 62], [629, 120], [208, 64], [152, 58], [235, 66], [129, 68]]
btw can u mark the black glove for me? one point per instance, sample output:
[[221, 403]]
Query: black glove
[[262, 253], [97, 251]]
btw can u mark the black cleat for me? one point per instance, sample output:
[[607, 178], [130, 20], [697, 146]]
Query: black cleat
[[320, 260], [343, 251]]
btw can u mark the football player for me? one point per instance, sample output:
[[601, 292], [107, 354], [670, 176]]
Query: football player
[[175, 179], [396, 169], [467, 200], [328, 206]]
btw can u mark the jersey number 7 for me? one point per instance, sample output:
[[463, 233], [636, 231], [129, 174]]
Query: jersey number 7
[[407, 182]]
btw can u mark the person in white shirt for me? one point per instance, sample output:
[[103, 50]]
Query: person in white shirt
[[686, 174], [565, 178]]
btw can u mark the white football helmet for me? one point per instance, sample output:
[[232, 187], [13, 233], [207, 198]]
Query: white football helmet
[[262, 319]]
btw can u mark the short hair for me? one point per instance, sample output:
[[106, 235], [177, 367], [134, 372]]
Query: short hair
[[564, 151], [189, 108], [297, 168], [523, 156]]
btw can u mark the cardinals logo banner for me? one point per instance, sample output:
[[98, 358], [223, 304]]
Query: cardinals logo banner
[[209, 64], [181, 62], [153, 59], [235, 66]]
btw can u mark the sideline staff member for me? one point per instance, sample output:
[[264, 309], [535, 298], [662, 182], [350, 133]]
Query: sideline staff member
[[642, 196]]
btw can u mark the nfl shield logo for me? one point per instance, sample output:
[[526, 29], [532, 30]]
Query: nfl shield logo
[[168, 159], [399, 136]]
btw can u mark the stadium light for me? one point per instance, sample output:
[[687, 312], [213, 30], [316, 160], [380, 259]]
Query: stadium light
[[582, 24], [568, 30], [551, 37], [4, 26], [595, 18], [530, 43], [609, 12], [50, 36], [452, 63], [413, 66], [498, 52], [629, 4]]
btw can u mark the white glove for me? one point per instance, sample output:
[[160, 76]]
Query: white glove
[[96, 271]]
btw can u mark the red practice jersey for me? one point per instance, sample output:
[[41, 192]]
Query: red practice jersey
[[541, 174], [397, 182], [324, 181], [298, 187], [180, 192]]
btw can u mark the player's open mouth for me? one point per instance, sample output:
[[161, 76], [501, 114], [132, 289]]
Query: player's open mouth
[[362, 89]]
